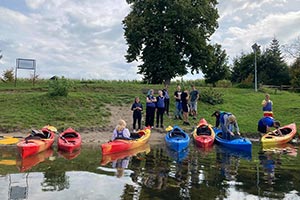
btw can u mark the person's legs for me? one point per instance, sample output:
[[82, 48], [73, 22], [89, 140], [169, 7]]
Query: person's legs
[[139, 119], [148, 113], [157, 117], [134, 122], [152, 115], [176, 113], [161, 111], [167, 104]]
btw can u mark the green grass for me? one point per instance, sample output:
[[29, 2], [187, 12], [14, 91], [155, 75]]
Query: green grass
[[87, 105]]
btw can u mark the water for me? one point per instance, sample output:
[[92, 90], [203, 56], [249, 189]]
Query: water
[[152, 172]]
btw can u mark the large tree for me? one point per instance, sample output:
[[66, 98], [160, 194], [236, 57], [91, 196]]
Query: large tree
[[273, 70], [217, 69], [169, 37]]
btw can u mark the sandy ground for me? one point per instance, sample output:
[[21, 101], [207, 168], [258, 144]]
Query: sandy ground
[[98, 137]]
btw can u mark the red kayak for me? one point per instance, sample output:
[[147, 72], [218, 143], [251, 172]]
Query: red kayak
[[37, 141], [204, 134], [120, 145], [69, 140]]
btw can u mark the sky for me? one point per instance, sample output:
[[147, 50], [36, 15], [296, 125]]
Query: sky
[[84, 39]]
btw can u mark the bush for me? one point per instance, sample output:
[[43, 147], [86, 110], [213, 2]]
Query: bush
[[8, 75], [59, 87], [224, 84], [211, 96]]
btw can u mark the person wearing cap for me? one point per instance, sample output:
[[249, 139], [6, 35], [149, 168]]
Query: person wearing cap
[[217, 114], [265, 123], [228, 123]]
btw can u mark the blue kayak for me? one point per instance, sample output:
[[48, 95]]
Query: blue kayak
[[240, 143], [177, 139]]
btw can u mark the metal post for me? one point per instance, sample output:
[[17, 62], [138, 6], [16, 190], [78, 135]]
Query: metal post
[[255, 48], [255, 71]]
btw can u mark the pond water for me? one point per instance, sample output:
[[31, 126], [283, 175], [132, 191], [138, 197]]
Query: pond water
[[152, 172]]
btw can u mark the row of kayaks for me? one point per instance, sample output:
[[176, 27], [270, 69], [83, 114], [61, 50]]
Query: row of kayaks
[[204, 135], [41, 140]]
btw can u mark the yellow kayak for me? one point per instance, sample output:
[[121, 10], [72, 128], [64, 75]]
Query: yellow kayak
[[274, 137]]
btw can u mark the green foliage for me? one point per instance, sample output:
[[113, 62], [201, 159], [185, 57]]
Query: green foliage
[[271, 68], [8, 75], [59, 87], [224, 83], [295, 73], [217, 68], [211, 96], [169, 36]]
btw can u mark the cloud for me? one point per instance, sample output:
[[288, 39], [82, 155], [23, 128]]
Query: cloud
[[245, 22], [84, 39]]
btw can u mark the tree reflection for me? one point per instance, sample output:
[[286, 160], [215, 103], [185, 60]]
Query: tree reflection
[[55, 181]]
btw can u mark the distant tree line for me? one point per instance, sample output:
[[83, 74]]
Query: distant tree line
[[170, 38]]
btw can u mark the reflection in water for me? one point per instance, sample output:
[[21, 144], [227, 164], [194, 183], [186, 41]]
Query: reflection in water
[[120, 165], [158, 174], [69, 155], [270, 159], [229, 160], [27, 163]]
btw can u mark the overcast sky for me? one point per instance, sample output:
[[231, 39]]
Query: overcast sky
[[83, 39]]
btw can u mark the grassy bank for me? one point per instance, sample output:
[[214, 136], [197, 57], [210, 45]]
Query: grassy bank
[[88, 105]]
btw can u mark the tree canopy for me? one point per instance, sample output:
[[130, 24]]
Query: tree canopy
[[169, 37], [271, 68]]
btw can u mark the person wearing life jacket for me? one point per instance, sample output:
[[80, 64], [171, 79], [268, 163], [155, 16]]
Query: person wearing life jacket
[[264, 124], [228, 123], [121, 132], [217, 114], [267, 106]]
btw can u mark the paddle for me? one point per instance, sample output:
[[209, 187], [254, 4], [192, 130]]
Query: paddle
[[64, 139], [8, 140]]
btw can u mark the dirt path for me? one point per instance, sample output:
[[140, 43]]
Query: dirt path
[[118, 112]]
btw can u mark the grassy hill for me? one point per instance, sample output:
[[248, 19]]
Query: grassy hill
[[88, 105]]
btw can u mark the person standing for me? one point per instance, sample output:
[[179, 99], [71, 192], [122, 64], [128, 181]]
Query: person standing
[[160, 109], [178, 105], [150, 108], [267, 105], [228, 122], [137, 109], [167, 99], [194, 96], [185, 107]]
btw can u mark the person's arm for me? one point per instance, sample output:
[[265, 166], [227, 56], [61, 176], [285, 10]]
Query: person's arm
[[114, 135], [133, 107], [237, 129], [126, 133]]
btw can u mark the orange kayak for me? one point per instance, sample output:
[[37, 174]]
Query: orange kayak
[[69, 140], [36, 142], [288, 132], [120, 145], [204, 135], [132, 152], [27, 163]]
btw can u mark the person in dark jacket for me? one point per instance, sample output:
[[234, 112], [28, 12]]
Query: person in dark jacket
[[150, 108], [137, 109], [160, 109]]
